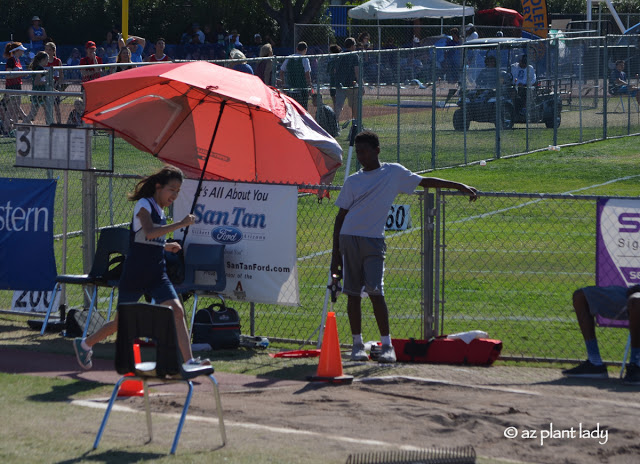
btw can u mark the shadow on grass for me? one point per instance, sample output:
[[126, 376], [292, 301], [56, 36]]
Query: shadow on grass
[[64, 393], [113, 457]]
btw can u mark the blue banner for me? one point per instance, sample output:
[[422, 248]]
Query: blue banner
[[27, 260]]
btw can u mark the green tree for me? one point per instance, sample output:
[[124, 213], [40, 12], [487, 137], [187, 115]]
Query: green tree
[[287, 13]]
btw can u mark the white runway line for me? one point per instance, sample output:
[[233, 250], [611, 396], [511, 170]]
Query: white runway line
[[624, 404], [250, 426]]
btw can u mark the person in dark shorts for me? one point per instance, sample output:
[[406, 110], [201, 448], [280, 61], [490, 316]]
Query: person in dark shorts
[[358, 235], [144, 271], [612, 302]]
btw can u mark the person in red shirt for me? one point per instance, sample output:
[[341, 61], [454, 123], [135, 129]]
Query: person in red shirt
[[89, 74], [54, 62], [12, 52], [159, 54]]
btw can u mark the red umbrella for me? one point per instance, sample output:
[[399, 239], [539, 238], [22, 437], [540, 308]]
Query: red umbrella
[[214, 123]]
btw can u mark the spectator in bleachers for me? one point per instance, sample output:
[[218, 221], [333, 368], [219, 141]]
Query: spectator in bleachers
[[254, 50], [13, 51], [110, 46], [135, 45], [209, 35], [159, 54], [54, 62], [220, 34], [89, 74], [74, 58], [242, 66], [233, 41], [123, 57], [37, 35], [197, 32]]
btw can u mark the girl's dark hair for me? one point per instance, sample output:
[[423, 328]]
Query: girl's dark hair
[[147, 186], [36, 59], [10, 46], [368, 137]]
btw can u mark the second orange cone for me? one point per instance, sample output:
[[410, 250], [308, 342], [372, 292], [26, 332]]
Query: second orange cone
[[330, 364]]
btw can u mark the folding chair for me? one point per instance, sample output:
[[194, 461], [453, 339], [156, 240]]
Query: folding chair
[[156, 324], [112, 248], [204, 273], [619, 323]]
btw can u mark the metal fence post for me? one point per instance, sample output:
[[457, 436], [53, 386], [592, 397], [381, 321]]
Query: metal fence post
[[430, 319], [605, 90], [89, 206], [434, 96]]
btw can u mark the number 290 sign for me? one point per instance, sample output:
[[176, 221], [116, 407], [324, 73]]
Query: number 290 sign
[[399, 218]]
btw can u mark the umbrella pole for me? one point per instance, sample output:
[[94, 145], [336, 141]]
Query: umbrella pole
[[204, 168]]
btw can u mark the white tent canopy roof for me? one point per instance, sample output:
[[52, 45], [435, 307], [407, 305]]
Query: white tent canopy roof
[[393, 9]]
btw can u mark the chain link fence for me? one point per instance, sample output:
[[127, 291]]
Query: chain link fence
[[509, 265], [515, 282]]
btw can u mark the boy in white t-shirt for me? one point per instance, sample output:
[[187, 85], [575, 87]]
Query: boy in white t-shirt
[[358, 235]]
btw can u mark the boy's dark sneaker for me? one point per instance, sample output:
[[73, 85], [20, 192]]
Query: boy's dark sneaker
[[587, 370], [632, 375]]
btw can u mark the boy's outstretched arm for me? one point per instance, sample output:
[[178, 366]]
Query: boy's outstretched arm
[[434, 182], [336, 259]]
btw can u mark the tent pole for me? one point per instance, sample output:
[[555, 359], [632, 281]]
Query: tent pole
[[379, 56], [204, 168]]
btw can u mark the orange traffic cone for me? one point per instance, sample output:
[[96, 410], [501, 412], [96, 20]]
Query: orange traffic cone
[[330, 364], [132, 387]]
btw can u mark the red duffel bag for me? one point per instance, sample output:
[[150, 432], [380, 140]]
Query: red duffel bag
[[481, 351]]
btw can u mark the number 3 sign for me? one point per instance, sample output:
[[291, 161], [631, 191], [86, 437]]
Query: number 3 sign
[[399, 218]]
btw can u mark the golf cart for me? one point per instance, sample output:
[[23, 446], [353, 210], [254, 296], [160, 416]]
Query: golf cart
[[480, 103]]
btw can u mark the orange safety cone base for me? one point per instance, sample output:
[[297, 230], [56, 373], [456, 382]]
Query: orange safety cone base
[[330, 364], [343, 379], [132, 387]]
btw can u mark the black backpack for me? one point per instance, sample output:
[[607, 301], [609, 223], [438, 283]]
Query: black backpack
[[217, 325]]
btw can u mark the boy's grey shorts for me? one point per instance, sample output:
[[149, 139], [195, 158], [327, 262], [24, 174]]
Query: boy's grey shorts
[[362, 264]]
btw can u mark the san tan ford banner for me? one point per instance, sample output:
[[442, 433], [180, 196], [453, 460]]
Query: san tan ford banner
[[257, 223]]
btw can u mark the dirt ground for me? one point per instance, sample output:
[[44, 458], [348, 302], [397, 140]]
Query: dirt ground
[[506, 413], [554, 420]]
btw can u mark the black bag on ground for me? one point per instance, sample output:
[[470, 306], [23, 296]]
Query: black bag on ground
[[77, 318], [217, 325]]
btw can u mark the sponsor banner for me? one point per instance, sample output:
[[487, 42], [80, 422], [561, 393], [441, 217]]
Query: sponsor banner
[[618, 242], [534, 17], [257, 224], [26, 234]]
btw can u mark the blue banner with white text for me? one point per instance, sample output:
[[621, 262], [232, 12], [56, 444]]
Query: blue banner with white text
[[27, 259]]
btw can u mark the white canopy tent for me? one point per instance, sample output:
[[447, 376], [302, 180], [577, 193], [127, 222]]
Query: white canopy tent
[[392, 9]]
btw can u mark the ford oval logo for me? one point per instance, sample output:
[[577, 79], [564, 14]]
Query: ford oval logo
[[226, 235]]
